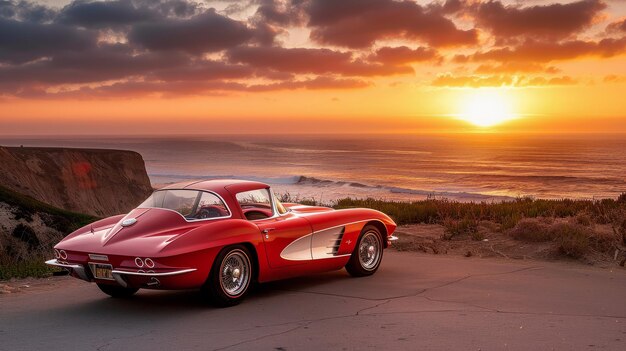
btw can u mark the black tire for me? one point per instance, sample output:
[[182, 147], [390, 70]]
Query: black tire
[[361, 264], [233, 262], [117, 291]]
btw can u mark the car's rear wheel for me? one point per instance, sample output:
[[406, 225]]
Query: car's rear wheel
[[117, 291], [367, 254], [231, 276]]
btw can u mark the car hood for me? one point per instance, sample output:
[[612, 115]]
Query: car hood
[[142, 231]]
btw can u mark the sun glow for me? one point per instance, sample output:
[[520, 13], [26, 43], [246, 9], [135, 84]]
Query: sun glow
[[486, 108]]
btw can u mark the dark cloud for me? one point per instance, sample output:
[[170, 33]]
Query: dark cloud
[[26, 11], [170, 47], [402, 55], [550, 21], [105, 13], [107, 62], [280, 13], [314, 61], [206, 32], [319, 83], [619, 26], [360, 23], [203, 70], [26, 41], [116, 13]]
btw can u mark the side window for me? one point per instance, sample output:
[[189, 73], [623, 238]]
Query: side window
[[210, 206], [181, 201], [255, 204]]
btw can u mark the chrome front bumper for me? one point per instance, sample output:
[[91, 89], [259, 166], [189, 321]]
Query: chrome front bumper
[[391, 239], [118, 275]]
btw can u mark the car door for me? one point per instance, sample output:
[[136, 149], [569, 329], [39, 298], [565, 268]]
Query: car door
[[287, 237], [287, 240]]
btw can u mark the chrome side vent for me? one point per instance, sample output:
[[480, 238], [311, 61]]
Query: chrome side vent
[[325, 243], [336, 243]]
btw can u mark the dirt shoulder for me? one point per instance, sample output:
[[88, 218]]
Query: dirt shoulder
[[428, 238]]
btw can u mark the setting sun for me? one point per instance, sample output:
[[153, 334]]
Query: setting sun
[[486, 108]]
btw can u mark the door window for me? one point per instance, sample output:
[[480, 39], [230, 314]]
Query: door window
[[255, 204]]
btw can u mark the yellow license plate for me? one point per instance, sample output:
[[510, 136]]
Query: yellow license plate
[[102, 271]]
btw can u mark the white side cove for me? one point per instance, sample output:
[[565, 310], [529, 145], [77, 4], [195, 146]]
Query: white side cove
[[298, 250], [314, 246]]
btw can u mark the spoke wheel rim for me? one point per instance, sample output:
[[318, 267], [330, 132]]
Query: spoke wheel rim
[[235, 273], [369, 250]]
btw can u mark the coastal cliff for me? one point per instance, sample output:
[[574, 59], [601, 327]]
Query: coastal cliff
[[96, 182]]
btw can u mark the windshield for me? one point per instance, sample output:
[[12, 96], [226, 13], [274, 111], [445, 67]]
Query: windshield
[[191, 204]]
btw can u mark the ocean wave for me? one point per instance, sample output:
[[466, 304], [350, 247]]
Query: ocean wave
[[468, 196], [341, 186]]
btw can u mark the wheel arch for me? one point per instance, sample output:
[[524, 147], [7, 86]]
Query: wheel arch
[[253, 253], [381, 227], [254, 258]]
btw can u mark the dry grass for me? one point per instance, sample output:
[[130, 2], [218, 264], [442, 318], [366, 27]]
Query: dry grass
[[570, 226], [572, 239], [531, 230]]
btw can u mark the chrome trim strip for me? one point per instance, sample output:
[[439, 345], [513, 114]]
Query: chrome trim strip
[[145, 274], [56, 263], [230, 213], [76, 268], [392, 238]]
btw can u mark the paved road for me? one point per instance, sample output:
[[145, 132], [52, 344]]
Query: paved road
[[413, 302]]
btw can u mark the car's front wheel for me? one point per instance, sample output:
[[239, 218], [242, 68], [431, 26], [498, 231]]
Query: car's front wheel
[[231, 276], [117, 291], [367, 254]]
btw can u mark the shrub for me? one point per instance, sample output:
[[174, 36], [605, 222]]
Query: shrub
[[506, 213], [583, 218], [572, 239], [26, 234], [531, 229], [455, 228], [509, 222]]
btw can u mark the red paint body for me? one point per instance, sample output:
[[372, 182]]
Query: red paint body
[[175, 243]]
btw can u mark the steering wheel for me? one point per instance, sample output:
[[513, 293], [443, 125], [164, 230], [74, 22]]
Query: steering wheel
[[208, 213]]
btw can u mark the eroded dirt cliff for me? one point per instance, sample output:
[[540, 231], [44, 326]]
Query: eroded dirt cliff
[[96, 182]]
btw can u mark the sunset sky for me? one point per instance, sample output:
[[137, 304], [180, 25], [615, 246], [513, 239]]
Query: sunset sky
[[311, 66]]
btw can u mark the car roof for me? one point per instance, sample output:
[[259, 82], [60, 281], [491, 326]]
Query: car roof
[[219, 185]]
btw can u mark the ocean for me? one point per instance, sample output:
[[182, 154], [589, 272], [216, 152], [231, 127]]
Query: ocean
[[464, 167]]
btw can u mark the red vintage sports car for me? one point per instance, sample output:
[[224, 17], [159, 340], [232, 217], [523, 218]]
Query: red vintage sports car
[[221, 236]]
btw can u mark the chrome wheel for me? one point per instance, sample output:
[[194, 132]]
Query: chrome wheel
[[370, 250], [235, 273]]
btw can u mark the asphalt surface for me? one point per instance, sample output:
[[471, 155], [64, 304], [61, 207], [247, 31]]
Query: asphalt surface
[[413, 302]]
